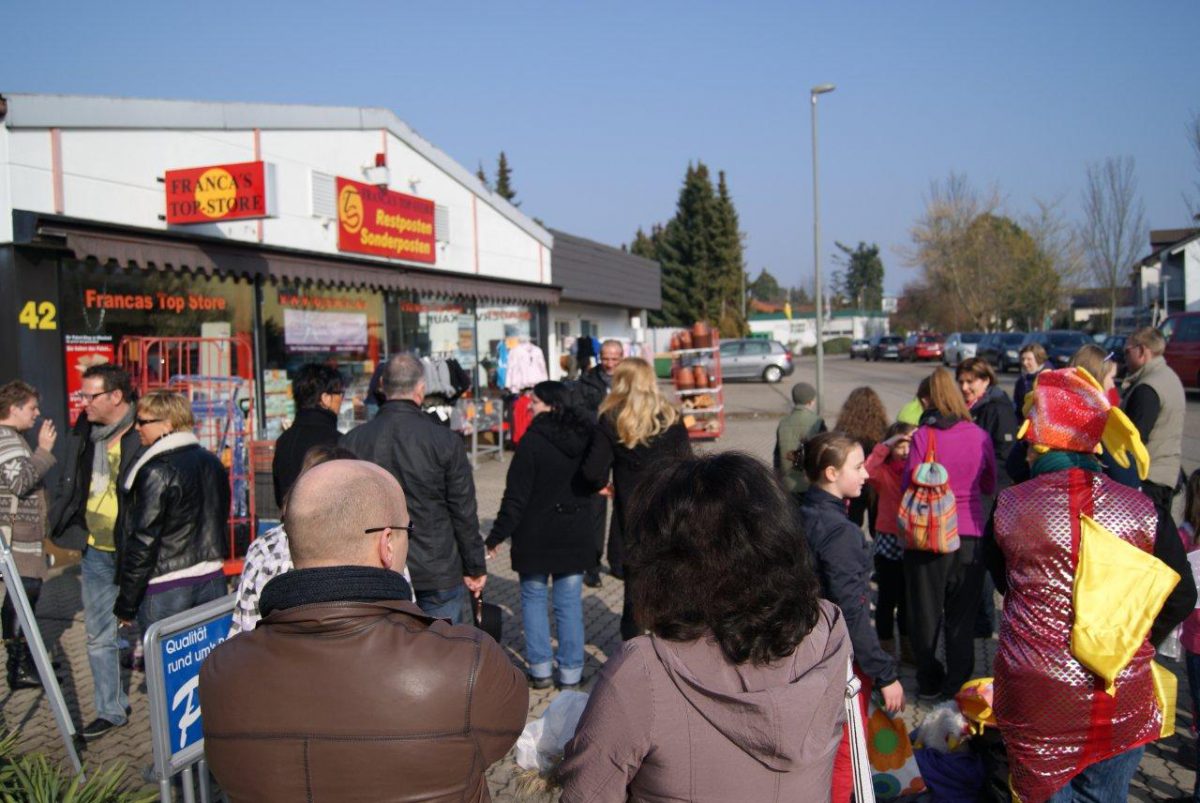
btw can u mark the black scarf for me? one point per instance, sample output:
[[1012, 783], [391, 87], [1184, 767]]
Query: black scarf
[[332, 584]]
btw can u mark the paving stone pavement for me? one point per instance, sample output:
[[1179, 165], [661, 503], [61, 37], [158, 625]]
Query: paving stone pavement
[[1167, 770]]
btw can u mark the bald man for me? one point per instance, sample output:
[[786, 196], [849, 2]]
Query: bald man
[[346, 691]]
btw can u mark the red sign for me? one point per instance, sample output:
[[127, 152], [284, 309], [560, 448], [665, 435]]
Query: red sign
[[373, 220], [219, 192], [82, 352]]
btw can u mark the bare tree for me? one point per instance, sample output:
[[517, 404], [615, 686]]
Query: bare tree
[[1114, 226], [1193, 138]]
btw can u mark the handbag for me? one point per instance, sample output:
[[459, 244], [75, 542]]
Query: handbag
[[864, 786], [489, 618], [894, 769]]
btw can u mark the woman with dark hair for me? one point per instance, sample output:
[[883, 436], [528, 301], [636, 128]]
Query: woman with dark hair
[[1034, 360], [990, 408], [638, 429], [547, 511], [864, 418], [737, 693], [944, 589], [317, 390]]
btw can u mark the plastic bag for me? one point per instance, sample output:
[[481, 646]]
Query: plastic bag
[[540, 745]]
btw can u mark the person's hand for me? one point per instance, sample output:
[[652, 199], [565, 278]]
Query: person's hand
[[893, 697], [47, 435], [491, 552], [892, 441], [607, 491], [124, 623], [475, 584]]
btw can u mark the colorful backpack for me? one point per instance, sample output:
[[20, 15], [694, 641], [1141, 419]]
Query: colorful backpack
[[928, 516]]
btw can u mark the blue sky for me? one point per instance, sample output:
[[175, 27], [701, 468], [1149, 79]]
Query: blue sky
[[600, 106]]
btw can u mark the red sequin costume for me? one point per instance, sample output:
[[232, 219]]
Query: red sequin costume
[[1053, 713]]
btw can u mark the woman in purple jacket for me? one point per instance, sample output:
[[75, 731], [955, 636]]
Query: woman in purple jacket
[[943, 590]]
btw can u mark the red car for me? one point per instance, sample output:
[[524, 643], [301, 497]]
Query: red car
[[1182, 331], [922, 347]]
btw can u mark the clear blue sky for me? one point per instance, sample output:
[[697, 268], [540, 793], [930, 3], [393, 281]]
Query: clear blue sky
[[601, 105]]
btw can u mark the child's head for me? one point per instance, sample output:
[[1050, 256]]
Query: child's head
[[900, 448], [835, 462], [1191, 512]]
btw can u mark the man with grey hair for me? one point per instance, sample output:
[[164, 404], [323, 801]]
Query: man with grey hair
[[1156, 403], [595, 385], [430, 462], [365, 696]]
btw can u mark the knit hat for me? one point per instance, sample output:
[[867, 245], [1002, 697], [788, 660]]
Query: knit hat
[[803, 393], [1068, 411]]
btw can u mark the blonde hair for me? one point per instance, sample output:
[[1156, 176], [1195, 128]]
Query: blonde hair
[[945, 395], [638, 411], [168, 406]]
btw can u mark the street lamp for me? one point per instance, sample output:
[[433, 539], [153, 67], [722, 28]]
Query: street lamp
[[819, 89]]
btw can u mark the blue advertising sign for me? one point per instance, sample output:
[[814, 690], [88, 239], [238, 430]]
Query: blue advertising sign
[[181, 654]]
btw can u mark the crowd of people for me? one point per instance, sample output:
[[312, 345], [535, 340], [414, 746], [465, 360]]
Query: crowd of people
[[748, 602]]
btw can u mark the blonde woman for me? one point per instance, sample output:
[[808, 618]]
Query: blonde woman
[[638, 428], [177, 500]]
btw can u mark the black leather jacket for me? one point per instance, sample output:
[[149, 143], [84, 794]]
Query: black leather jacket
[[177, 512], [430, 462]]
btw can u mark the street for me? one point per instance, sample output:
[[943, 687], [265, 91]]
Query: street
[[755, 408]]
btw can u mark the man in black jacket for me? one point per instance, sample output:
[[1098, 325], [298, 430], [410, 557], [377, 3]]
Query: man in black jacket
[[318, 391], [86, 514], [430, 462], [595, 385]]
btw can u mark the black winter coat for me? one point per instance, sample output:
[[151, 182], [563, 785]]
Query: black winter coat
[[630, 467], [312, 427], [177, 515], [994, 414], [593, 389], [430, 462], [842, 559], [547, 510], [68, 511]]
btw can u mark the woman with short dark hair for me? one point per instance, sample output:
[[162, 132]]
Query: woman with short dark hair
[[1033, 360], [738, 691], [990, 408]]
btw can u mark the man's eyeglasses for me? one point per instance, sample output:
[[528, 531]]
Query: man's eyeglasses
[[408, 528], [88, 398], [141, 422]]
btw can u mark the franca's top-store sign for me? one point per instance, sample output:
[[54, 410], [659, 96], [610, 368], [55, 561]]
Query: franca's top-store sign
[[220, 192], [375, 220]]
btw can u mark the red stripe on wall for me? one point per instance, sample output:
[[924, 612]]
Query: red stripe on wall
[[475, 229], [258, 158], [56, 168]]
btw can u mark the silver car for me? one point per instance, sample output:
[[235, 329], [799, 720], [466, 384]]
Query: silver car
[[960, 346], [767, 360]]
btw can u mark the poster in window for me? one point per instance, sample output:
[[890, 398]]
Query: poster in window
[[82, 352], [306, 330]]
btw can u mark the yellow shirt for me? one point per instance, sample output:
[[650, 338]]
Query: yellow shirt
[[101, 512]]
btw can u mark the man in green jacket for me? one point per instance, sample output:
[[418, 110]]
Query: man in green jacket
[[796, 427]]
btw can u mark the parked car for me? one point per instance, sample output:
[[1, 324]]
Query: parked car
[[959, 346], [1182, 331], [1001, 349], [1114, 346], [921, 347], [859, 348], [1060, 344], [885, 347], [768, 360]]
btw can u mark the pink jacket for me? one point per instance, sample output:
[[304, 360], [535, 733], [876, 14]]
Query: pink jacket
[[885, 478], [966, 452]]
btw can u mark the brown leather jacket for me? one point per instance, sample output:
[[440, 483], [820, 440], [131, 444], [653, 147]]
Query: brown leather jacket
[[359, 701]]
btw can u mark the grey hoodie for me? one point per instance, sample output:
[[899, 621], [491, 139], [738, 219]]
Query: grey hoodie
[[675, 721]]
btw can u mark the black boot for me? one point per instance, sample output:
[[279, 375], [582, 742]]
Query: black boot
[[22, 674]]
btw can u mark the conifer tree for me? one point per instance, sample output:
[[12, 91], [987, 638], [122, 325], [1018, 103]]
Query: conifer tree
[[482, 176], [730, 265], [504, 186]]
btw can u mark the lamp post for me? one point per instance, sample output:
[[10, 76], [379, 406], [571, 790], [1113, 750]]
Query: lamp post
[[819, 89]]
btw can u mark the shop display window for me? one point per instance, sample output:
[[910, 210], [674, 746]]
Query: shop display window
[[499, 328], [441, 328], [304, 323]]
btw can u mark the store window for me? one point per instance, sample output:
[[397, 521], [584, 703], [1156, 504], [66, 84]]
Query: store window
[[499, 329], [100, 306], [439, 328], [306, 323]]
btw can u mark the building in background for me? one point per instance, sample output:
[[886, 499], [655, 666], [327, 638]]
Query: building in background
[[1168, 279], [799, 330]]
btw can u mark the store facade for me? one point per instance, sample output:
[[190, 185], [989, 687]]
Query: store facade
[[306, 233]]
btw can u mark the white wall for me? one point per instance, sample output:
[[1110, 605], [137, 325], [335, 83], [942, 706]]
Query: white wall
[[611, 322], [1191, 275], [111, 176]]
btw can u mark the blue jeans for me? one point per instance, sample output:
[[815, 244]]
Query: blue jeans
[[1104, 782], [156, 607], [99, 572], [447, 603], [1193, 673], [568, 619]]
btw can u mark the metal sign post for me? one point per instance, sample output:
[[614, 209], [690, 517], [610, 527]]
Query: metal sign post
[[33, 637], [175, 648]]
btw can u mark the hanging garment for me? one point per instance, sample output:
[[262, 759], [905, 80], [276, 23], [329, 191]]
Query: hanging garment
[[526, 367]]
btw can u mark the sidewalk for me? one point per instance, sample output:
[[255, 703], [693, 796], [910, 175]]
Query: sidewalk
[[1166, 771]]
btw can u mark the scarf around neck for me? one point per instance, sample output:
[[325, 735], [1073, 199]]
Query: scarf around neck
[[332, 584], [100, 436], [1060, 461]]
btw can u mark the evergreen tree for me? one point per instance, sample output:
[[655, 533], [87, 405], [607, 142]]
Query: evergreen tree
[[482, 176], [860, 283], [504, 186], [766, 288], [730, 267]]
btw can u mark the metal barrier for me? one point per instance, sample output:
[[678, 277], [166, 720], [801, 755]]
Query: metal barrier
[[175, 649]]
